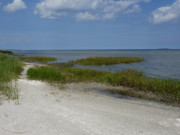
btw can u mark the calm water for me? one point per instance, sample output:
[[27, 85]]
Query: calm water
[[159, 63]]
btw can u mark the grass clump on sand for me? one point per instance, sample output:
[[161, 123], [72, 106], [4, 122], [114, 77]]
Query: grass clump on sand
[[45, 74], [169, 90], [10, 68], [64, 75], [41, 59], [98, 61]]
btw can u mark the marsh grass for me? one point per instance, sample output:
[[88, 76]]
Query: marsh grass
[[6, 52], [60, 65], [45, 74], [168, 89], [98, 61], [40, 59], [10, 68], [18, 55]]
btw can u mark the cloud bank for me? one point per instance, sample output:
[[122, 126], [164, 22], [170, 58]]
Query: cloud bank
[[14, 6], [87, 9], [84, 10], [165, 14]]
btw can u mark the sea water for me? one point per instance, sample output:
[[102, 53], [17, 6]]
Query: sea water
[[158, 63]]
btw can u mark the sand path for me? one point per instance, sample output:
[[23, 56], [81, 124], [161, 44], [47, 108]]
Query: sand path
[[46, 110]]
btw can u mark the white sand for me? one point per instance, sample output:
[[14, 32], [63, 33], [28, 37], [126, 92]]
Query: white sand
[[45, 110]]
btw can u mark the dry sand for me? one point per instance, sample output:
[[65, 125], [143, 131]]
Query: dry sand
[[45, 110]]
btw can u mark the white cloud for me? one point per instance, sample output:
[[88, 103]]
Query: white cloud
[[86, 9], [135, 8], [108, 16], [84, 16], [14, 6], [165, 14]]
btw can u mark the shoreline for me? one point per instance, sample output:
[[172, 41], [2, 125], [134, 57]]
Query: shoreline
[[151, 67], [116, 92], [76, 110], [104, 87], [129, 82]]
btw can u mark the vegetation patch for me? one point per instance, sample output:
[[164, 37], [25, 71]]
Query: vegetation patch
[[18, 55], [168, 89], [45, 74], [98, 61], [36, 59], [60, 65], [10, 68], [6, 52]]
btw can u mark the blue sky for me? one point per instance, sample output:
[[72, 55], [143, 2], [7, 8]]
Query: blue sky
[[89, 24]]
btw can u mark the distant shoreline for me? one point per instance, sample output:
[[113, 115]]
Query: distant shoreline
[[160, 49]]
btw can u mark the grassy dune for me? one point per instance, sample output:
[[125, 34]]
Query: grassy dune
[[169, 90], [98, 61], [41, 59], [10, 68]]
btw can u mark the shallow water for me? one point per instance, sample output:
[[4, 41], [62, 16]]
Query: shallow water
[[159, 63]]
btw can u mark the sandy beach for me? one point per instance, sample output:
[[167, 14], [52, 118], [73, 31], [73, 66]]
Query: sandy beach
[[44, 109]]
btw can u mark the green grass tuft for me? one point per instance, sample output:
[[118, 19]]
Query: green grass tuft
[[10, 68], [45, 74]]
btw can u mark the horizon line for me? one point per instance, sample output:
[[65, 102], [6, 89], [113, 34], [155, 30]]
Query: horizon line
[[87, 49]]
